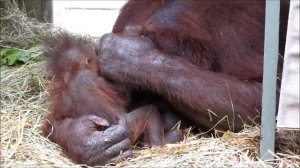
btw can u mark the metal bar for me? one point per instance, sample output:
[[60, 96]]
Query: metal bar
[[269, 79]]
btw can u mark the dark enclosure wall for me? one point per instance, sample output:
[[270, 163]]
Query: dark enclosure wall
[[40, 9]]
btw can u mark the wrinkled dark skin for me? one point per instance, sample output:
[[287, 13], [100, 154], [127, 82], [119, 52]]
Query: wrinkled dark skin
[[130, 55], [89, 116], [205, 58], [141, 62], [91, 146], [84, 108]]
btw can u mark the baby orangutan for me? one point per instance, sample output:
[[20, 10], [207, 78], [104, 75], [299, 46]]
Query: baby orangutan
[[84, 106]]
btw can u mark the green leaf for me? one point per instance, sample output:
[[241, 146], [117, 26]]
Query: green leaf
[[10, 56], [34, 53], [3, 52], [25, 56], [227, 136], [13, 56], [3, 61]]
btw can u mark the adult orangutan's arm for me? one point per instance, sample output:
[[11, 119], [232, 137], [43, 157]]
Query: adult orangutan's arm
[[204, 97]]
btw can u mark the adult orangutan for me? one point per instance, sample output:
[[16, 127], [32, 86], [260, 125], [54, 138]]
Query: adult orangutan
[[205, 58]]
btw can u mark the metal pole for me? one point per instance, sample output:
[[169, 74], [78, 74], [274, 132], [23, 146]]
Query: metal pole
[[269, 79]]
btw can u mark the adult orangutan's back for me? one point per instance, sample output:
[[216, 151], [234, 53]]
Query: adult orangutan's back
[[205, 57]]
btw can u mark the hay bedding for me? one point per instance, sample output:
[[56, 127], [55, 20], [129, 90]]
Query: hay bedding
[[23, 108]]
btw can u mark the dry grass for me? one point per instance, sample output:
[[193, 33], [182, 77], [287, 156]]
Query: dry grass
[[18, 30], [23, 108]]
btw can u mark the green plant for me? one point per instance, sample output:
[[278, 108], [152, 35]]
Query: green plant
[[13, 56]]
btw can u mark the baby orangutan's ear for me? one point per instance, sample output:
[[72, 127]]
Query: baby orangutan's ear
[[92, 64], [87, 61]]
